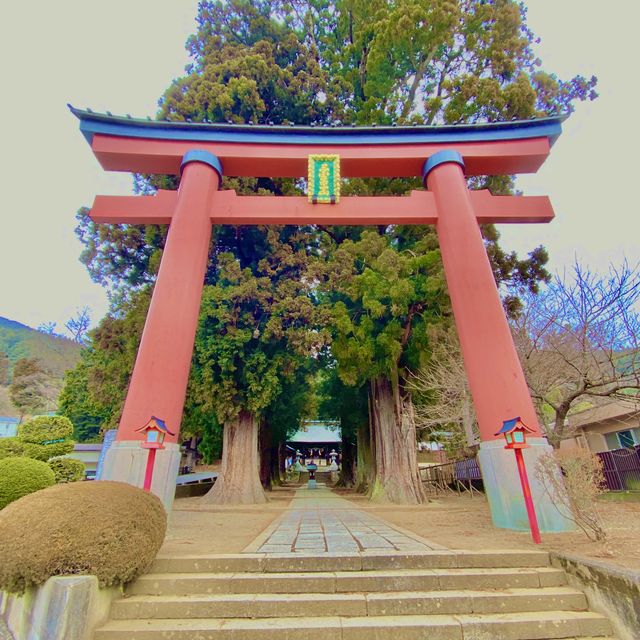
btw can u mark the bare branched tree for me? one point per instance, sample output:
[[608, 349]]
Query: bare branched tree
[[573, 480], [443, 403], [47, 327], [579, 339], [79, 325]]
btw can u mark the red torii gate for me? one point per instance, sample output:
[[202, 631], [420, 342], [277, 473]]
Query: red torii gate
[[442, 155]]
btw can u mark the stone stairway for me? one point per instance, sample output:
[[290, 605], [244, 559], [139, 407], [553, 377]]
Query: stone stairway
[[437, 595]]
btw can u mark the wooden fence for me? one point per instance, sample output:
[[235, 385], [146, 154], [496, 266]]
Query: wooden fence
[[621, 471], [458, 476], [621, 468]]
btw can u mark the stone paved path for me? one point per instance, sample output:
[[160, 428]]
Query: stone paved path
[[319, 521]]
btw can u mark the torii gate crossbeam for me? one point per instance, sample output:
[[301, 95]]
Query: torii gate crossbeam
[[443, 156]]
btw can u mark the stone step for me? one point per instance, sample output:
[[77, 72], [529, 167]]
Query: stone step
[[297, 562], [347, 581], [349, 604], [547, 625]]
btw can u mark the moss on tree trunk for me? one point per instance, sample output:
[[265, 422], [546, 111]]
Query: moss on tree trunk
[[364, 459], [276, 478], [239, 479], [394, 446]]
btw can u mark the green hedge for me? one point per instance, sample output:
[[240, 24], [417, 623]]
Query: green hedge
[[46, 437], [46, 451], [67, 469], [107, 529], [44, 429], [10, 447], [20, 476]]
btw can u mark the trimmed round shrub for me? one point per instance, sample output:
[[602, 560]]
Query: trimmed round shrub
[[20, 476], [45, 429], [46, 451], [67, 469], [10, 447], [46, 437], [108, 529]]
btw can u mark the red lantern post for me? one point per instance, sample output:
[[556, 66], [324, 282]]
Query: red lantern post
[[515, 433], [155, 431]]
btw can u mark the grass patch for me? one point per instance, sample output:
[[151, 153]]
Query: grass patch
[[620, 496]]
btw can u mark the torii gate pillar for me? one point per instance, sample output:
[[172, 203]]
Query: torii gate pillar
[[496, 380], [161, 371]]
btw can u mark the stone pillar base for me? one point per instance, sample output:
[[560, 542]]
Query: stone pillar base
[[69, 607], [504, 492], [126, 461]]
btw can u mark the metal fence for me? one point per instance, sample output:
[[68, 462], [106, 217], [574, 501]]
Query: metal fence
[[621, 468], [460, 475]]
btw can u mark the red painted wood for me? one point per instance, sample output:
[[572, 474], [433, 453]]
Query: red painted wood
[[418, 208], [493, 369], [159, 380], [280, 160], [148, 472], [528, 500]]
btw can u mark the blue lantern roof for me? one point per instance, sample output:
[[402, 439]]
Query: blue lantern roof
[[156, 423], [511, 425]]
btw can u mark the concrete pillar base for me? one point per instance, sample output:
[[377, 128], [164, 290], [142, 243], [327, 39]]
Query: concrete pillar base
[[64, 607], [126, 461], [504, 492]]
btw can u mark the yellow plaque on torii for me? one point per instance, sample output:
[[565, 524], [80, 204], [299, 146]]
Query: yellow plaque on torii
[[324, 179]]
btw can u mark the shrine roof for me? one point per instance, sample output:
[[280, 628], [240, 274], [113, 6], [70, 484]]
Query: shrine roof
[[92, 123]]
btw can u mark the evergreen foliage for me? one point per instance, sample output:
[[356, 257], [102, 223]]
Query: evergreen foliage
[[210, 444], [107, 529], [10, 447], [94, 391], [4, 368], [46, 437], [77, 404], [67, 469], [277, 297], [20, 476], [17, 341]]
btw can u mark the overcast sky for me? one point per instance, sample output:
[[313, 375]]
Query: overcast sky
[[120, 55]]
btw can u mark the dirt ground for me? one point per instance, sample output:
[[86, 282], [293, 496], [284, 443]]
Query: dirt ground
[[462, 522], [195, 528], [456, 522]]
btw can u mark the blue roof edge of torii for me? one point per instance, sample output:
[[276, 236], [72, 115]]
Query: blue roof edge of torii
[[92, 123]]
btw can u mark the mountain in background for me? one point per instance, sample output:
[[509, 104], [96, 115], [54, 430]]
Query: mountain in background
[[56, 353]]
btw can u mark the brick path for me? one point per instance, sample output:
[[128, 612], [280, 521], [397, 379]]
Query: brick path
[[319, 521]]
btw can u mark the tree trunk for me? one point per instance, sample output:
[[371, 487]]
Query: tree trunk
[[467, 420], [264, 446], [394, 434], [239, 479], [347, 471], [192, 456], [282, 461], [276, 478], [364, 459], [554, 436]]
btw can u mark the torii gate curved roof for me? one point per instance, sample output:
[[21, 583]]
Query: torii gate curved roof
[[152, 146]]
